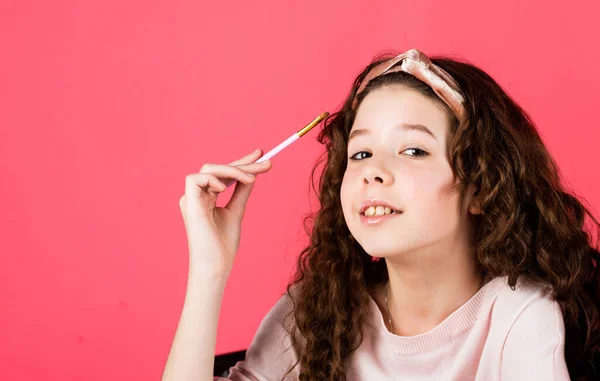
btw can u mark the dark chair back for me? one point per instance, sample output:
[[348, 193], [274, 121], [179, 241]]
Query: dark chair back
[[225, 361]]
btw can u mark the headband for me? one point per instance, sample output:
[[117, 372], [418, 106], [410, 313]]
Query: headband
[[418, 64]]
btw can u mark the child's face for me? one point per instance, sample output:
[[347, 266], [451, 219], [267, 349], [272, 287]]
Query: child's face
[[394, 170]]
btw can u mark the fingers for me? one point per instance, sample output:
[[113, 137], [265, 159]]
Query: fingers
[[257, 168], [213, 179], [239, 198], [197, 183], [223, 171], [249, 158], [229, 174], [248, 163], [242, 192]]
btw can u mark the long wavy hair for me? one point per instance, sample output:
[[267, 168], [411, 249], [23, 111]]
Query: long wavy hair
[[531, 225]]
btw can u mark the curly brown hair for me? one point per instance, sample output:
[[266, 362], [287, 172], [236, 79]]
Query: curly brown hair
[[531, 226]]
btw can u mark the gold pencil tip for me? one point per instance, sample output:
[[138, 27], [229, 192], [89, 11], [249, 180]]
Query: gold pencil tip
[[309, 126]]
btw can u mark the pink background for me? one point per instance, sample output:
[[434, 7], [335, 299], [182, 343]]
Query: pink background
[[106, 106]]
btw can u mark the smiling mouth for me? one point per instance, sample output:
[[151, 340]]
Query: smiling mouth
[[377, 219], [380, 215], [370, 212]]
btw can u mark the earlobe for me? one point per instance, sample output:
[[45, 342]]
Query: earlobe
[[475, 209], [475, 206]]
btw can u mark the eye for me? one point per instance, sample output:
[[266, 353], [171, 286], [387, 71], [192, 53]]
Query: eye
[[419, 153], [359, 152]]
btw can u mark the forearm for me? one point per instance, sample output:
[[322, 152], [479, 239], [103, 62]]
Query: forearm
[[192, 353]]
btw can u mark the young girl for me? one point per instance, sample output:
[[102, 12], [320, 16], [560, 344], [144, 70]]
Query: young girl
[[445, 247]]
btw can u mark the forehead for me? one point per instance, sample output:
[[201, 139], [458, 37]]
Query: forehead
[[387, 108]]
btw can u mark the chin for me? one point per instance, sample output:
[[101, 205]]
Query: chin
[[378, 249]]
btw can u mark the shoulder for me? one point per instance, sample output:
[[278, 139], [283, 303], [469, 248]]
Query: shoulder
[[271, 353], [272, 337], [528, 309], [528, 325], [529, 302]]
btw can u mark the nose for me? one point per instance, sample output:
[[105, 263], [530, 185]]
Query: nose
[[376, 173]]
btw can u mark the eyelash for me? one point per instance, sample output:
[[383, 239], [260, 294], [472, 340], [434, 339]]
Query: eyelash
[[424, 154]]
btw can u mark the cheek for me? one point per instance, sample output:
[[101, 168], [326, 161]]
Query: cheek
[[438, 199], [349, 192], [345, 193]]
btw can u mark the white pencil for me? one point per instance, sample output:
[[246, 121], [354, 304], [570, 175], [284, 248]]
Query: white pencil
[[289, 140]]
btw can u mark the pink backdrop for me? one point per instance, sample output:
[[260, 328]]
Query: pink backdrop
[[106, 106]]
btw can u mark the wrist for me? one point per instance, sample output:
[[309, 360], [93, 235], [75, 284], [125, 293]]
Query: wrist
[[213, 275]]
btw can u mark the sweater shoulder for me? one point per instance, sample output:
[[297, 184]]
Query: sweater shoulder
[[524, 292], [528, 302], [271, 353]]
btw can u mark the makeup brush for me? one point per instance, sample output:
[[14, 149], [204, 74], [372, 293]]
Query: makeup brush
[[289, 141]]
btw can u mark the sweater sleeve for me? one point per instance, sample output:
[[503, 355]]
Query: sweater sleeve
[[270, 355], [535, 344]]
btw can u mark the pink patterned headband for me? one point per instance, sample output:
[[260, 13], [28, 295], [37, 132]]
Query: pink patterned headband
[[418, 64]]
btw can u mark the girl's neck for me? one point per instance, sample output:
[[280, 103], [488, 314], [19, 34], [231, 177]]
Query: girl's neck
[[419, 299]]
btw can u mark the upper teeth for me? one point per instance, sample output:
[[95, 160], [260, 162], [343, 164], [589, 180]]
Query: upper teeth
[[378, 210]]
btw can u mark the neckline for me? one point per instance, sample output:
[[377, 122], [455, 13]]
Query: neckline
[[456, 323]]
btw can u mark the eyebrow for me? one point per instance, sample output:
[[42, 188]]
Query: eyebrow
[[404, 126]]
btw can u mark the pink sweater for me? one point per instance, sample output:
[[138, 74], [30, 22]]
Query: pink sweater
[[498, 334]]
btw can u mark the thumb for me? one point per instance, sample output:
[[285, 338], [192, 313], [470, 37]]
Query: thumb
[[239, 198]]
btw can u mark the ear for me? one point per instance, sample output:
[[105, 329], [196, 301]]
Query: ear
[[474, 201]]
